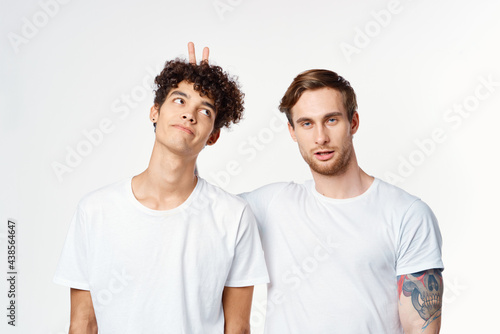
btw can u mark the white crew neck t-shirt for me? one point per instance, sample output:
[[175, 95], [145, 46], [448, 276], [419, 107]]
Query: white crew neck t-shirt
[[152, 271], [333, 263]]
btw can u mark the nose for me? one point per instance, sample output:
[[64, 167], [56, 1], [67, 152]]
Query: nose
[[190, 116], [321, 136]]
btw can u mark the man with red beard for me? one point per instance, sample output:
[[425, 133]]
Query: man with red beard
[[346, 252]]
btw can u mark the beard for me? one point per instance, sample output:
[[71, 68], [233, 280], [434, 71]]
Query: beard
[[336, 166]]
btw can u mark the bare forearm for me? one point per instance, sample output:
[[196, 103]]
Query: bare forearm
[[237, 303], [83, 327], [83, 320], [237, 329]]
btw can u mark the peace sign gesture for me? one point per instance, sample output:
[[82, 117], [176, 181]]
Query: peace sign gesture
[[192, 55]]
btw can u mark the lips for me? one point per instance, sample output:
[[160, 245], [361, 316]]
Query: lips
[[183, 128], [324, 155]]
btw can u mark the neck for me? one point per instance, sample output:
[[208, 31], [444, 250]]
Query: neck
[[351, 183], [167, 182]]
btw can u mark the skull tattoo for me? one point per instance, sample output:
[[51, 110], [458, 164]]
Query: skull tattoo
[[426, 291]]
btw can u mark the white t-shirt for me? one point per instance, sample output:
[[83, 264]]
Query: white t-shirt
[[333, 263], [152, 271]]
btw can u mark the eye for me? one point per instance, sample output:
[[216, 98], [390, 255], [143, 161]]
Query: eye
[[206, 112], [179, 100], [331, 120], [306, 124]]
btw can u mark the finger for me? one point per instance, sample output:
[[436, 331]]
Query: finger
[[206, 52], [192, 55]]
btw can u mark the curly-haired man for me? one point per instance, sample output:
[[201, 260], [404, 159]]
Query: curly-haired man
[[165, 251]]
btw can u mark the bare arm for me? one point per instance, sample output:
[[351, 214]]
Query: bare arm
[[83, 319], [420, 301], [237, 303]]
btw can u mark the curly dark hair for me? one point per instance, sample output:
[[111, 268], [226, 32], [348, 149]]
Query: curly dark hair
[[209, 80]]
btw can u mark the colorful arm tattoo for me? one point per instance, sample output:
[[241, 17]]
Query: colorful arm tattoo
[[426, 291]]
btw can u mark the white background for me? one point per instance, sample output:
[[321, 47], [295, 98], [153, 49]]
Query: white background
[[63, 74]]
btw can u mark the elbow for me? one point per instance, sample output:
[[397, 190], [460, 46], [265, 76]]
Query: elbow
[[92, 328]]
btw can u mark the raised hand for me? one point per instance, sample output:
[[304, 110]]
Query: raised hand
[[192, 55]]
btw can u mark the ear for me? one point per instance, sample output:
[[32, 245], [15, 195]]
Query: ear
[[154, 113], [292, 132], [213, 137], [355, 123]]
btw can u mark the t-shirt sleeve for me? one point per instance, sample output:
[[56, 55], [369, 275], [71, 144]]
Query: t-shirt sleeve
[[248, 266], [72, 270], [419, 241], [261, 198]]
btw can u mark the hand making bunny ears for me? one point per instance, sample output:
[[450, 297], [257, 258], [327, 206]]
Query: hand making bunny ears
[[192, 55]]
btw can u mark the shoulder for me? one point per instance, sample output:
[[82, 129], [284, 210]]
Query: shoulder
[[266, 197], [98, 197], [275, 187], [401, 205], [227, 209], [218, 196], [261, 198], [411, 209], [396, 196], [270, 191]]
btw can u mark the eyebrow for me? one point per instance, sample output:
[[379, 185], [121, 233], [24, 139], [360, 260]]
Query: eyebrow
[[205, 103], [210, 105], [330, 114], [176, 92]]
